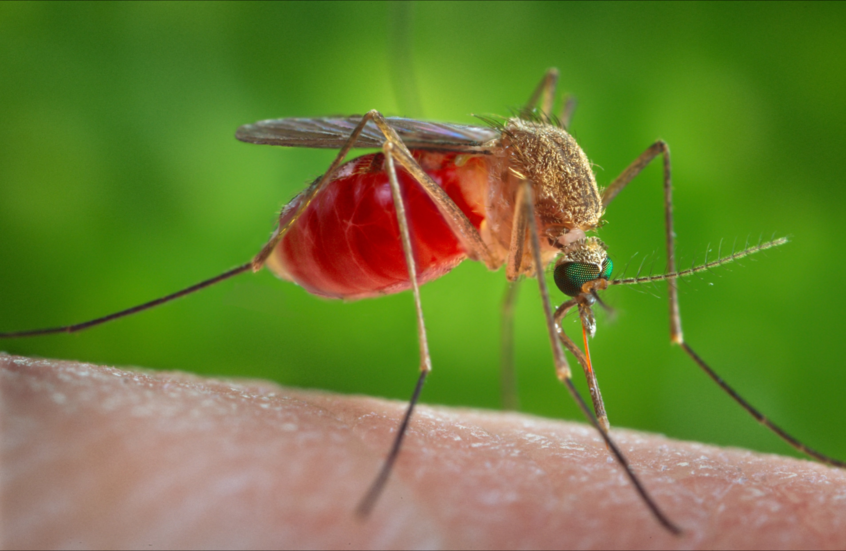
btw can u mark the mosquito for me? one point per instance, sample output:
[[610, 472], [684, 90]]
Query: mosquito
[[515, 191]]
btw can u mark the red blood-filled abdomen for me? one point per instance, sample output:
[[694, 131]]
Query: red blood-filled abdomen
[[347, 244]]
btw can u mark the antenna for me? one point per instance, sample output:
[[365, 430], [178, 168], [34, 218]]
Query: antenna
[[637, 280]]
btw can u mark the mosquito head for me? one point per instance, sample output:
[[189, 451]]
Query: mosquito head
[[583, 268]]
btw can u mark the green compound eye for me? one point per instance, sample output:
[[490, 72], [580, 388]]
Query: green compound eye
[[607, 268], [570, 276]]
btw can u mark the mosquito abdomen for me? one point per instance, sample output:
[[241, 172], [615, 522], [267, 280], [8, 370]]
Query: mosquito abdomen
[[346, 244]]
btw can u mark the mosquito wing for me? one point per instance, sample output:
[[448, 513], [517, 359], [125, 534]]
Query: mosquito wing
[[333, 132]]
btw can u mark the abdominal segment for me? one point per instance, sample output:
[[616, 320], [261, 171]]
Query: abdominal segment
[[347, 244]]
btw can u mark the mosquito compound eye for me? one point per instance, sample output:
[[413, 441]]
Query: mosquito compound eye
[[570, 276], [607, 268]]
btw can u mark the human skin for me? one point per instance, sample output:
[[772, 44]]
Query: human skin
[[100, 457]]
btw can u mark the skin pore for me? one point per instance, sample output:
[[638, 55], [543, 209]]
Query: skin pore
[[97, 457]]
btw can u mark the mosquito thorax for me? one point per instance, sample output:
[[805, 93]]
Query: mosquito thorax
[[583, 267], [565, 187]]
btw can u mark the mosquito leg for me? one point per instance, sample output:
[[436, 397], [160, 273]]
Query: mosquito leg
[[590, 374], [369, 500], [378, 484], [545, 93], [257, 261], [425, 360], [129, 311], [563, 370], [796, 444], [514, 265], [676, 336], [658, 148], [507, 373], [460, 225], [516, 261], [566, 113]]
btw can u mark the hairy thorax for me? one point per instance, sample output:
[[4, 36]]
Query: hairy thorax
[[566, 195], [567, 201]]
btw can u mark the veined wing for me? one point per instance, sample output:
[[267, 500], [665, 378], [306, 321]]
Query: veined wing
[[333, 132]]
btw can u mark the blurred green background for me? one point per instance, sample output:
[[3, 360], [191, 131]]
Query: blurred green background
[[121, 181]]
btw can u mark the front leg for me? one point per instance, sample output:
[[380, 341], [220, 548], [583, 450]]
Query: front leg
[[563, 370], [676, 336], [629, 174]]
